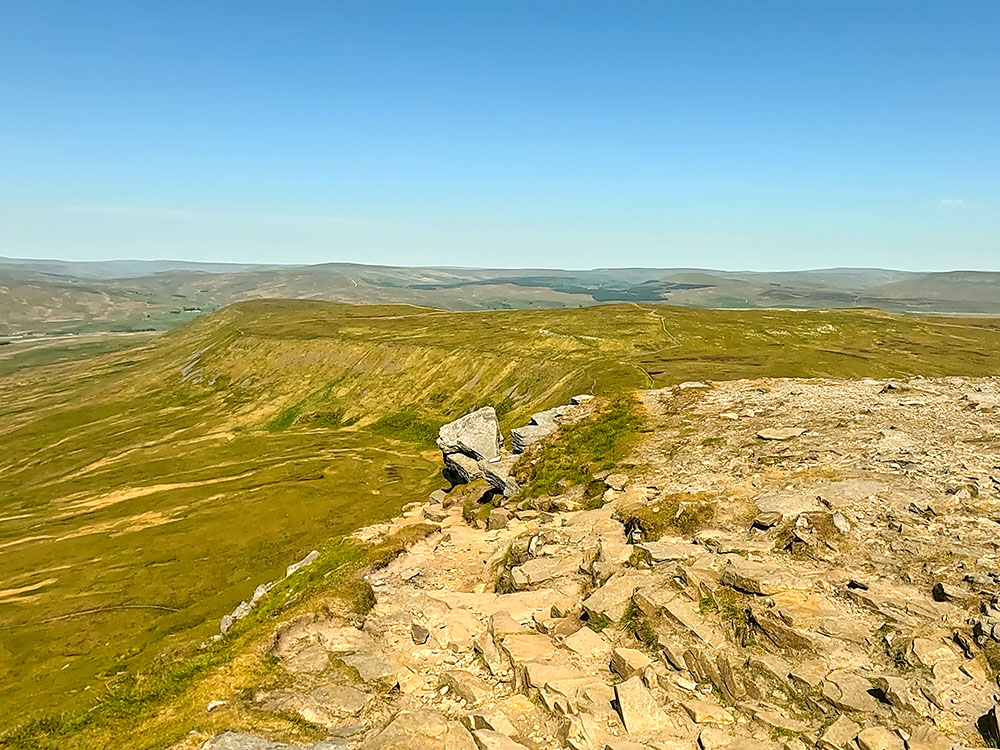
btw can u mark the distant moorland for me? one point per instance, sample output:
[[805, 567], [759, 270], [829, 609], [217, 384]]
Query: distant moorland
[[61, 297]]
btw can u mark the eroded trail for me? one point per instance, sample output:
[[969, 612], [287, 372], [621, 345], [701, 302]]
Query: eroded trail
[[785, 563]]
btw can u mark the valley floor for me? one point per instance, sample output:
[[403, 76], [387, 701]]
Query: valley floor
[[782, 563]]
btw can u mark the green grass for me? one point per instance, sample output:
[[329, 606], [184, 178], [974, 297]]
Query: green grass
[[581, 449], [407, 425], [636, 623], [732, 608], [284, 419], [134, 702], [599, 623]]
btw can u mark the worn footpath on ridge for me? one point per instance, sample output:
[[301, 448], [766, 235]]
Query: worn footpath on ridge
[[785, 563]]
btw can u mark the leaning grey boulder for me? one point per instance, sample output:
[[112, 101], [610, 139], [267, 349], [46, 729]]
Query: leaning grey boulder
[[476, 435]]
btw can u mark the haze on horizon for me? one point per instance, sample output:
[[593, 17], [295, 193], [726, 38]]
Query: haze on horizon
[[770, 135]]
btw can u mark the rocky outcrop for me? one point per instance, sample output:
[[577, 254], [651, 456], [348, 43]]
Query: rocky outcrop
[[476, 435], [245, 607], [473, 447], [542, 425], [830, 590]]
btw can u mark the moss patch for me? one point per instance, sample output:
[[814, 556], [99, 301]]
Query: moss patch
[[681, 512]]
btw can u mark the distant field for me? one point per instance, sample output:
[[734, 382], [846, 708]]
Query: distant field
[[144, 492], [19, 354]]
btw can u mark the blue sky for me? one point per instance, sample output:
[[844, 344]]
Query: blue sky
[[748, 134]]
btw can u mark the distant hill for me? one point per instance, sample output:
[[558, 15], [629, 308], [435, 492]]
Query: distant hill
[[52, 296]]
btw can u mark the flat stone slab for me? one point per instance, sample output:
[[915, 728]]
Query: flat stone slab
[[587, 643], [781, 433], [761, 579], [706, 712], [639, 711], [671, 550]]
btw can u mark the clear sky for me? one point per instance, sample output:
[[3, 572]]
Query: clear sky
[[752, 134]]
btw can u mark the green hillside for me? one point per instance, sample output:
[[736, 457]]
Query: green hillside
[[145, 492]]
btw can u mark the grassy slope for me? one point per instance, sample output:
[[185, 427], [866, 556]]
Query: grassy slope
[[181, 473]]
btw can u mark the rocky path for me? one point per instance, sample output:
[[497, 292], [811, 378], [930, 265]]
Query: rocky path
[[784, 563]]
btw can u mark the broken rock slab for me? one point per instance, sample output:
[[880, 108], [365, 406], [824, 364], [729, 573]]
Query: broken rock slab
[[499, 474], [639, 711], [239, 741], [466, 686], [838, 734], [613, 598], [760, 578], [707, 712], [421, 730], [879, 738], [538, 570], [461, 469]]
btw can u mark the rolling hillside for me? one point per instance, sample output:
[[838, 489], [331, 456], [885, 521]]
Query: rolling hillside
[[145, 492], [56, 297]]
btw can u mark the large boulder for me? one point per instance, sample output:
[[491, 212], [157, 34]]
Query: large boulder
[[476, 434]]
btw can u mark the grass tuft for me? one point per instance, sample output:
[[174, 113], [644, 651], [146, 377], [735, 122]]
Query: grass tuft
[[680, 512]]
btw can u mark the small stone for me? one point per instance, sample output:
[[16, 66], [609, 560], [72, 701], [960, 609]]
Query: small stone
[[421, 730], [498, 519], [419, 634], [586, 643], [925, 738], [841, 523], [434, 514], [487, 739], [943, 592], [706, 712], [467, 686], [626, 662], [617, 482]]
